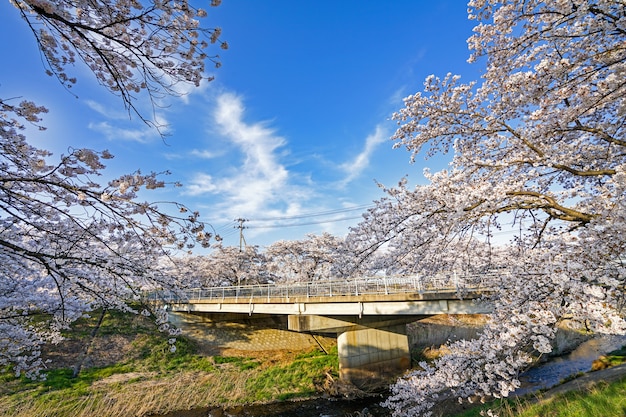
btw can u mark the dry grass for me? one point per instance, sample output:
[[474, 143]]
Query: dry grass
[[153, 393], [144, 378], [135, 394]]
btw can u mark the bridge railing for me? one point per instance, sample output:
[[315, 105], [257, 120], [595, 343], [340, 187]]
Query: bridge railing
[[336, 288]]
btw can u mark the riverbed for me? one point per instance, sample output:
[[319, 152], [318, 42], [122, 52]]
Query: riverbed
[[321, 407]]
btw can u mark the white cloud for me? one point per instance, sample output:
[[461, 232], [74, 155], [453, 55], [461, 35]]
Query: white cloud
[[354, 167], [194, 153], [252, 178], [114, 133], [205, 154], [259, 180], [113, 127], [114, 112], [200, 184]]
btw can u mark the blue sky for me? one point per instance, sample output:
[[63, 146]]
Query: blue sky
[[293, 132]]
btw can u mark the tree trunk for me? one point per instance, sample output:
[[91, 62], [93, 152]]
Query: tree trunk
[[85, 353]]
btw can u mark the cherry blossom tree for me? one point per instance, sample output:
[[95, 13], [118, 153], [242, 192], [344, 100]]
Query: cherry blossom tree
[[229, 265], [396, 237], [313, 258], [69, 243], [538, 146], [131, 47], [192, 271]]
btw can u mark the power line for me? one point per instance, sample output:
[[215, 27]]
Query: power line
[[230, 229], [276, 226], [321, 213], [229, 233], [225, 227]]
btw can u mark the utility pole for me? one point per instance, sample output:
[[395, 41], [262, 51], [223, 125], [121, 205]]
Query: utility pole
[[242, 240]]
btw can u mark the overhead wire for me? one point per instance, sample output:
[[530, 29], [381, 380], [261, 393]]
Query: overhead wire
[[279, 220], [321, 213], [273, 226]]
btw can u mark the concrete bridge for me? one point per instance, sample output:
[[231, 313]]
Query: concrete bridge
[[368, 316]]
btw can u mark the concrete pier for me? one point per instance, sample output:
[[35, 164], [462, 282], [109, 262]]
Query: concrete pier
[[373, 357]]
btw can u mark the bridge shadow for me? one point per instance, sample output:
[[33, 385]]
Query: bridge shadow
[[238, 334]]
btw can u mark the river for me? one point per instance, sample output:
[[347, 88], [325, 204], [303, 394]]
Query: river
[[545, 375], [550, 373]]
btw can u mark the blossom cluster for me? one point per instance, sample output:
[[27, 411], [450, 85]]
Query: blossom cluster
[[130, 46]]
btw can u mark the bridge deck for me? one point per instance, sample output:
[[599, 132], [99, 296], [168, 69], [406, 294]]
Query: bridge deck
[[363, 289], [380, 296]]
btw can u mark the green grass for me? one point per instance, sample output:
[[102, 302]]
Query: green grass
[[154, 378], [298, 379], [604, 400], [157, 357], [240, 363], [616, 357], [114, 323]]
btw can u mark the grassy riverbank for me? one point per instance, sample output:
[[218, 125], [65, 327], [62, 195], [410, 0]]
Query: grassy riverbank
[[131, 371], [134, 373], [601, 393], [602, 400]]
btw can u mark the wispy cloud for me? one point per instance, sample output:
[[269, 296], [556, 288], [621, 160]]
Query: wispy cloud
[[204, 154], [259, 180], [115, 133], [113, 127], [193, 154], [109, 113], [357, 165]]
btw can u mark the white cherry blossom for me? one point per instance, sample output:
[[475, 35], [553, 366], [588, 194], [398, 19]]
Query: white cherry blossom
[[68, 243], [538, 148]]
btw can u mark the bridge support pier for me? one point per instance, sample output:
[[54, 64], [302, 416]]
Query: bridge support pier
[[371, 357]]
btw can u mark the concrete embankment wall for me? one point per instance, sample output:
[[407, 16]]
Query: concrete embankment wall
[[437, 330]]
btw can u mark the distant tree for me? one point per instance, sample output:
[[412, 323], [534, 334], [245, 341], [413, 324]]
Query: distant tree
[[228, 265], [190, 270], [539, 142], [68, 244], [312, 258]]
